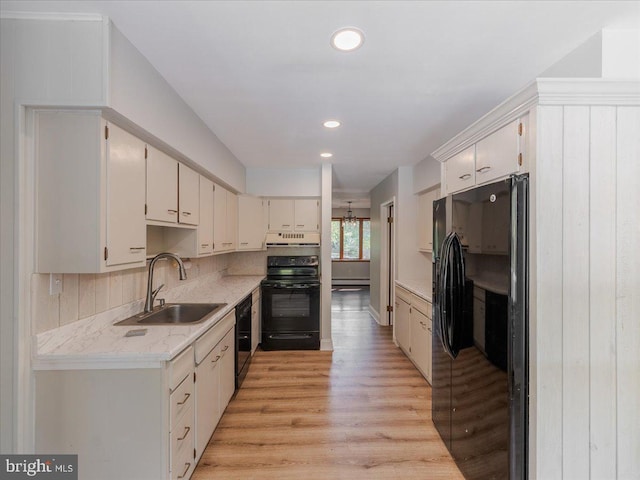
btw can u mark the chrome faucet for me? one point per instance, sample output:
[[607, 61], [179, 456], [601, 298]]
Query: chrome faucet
[[151, 294]]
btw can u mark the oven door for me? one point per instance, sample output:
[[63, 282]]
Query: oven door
[[290, 316]]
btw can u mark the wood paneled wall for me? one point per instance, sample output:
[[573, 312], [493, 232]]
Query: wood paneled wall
[[585, 310]]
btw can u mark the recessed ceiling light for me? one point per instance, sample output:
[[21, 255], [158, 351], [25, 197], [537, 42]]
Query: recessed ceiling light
[[326, 155], [331, 124], [347, 39]]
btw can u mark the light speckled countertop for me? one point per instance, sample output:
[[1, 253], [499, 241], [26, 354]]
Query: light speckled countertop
[[493, 283], [96, 343], [417, 287]]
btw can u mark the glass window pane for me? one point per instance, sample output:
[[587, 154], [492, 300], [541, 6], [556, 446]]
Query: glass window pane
[[366, 239], [335, 238], [351, 240]]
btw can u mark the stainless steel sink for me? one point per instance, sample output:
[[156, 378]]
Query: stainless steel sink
[[175, 314]]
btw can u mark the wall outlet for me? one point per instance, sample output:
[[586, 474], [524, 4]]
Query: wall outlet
[[55, 284]]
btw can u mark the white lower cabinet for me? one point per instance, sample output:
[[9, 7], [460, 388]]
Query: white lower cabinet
[[143, 423], [413, 329]]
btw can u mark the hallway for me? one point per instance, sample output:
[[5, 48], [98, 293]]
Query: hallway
[[360, 412]]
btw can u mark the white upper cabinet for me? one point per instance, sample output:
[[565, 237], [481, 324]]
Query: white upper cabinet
[[188, 195], [205, 226], [281, 215], [225, 219], [90, 194], [460, 172], [162, 181], [495, 156], [498, 154], [306, 215], [251, 223], [172, 190], [288, 214]]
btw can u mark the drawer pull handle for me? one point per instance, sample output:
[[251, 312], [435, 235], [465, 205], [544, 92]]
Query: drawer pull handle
[[186, 432], [186, 214], [186, 397], [226, 347], [244, 243], [172, 212], [465, 176], [204, 245], [184, 474], [215, 359], [483, 169]]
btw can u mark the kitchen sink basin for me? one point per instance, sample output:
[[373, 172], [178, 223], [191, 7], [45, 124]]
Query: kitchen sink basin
[[175, 314]]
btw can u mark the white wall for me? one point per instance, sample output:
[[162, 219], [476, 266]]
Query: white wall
[[381, 193], [426, 174], [412, 264], [138, 92], [288, 182], [41, 62], [585, 306]]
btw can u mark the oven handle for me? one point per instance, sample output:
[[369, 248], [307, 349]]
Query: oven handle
[[290, 287], [290, 336]]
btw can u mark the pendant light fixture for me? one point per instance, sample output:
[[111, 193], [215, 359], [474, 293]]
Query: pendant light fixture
[[349, 217]]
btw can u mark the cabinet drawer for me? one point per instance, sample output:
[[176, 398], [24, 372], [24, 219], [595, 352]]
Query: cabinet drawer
[[180, 367], [181, 400], [403, 294], [421, 305], [182, 445], [206, 342]]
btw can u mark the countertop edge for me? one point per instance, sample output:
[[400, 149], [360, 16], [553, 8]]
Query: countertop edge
[[413, 288]]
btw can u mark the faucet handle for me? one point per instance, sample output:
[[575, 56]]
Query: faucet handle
[[161, 302]]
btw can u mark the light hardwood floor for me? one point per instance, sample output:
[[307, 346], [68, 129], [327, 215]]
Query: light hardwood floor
[[360, 412]]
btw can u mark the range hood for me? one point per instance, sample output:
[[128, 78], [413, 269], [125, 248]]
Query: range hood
[[284, 239]]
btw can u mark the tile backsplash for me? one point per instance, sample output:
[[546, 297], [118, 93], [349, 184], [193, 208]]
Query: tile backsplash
[[84, 295]]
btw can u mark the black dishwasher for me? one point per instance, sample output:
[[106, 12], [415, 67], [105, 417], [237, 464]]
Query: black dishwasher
[[243, 339]]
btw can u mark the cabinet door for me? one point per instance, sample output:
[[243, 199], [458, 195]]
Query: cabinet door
[[281, 215], [420, 340], [219, 218], [205, 226], [460, 171], [227, 368], [162, 186], [126, 228], [403, 324], [207, 398], [497, 154], [231, 237], [306, 215], [188, 195], [251, 226]]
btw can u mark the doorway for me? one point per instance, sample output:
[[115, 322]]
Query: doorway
[[387, 261]]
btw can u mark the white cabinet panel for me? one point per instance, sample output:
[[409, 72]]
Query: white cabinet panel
[[205, 225], [126, 231], [497, 154], [162, 181], [95, 224], [207, 398], [281, 215], [402, 320], [225, 218], [251, 223], [460, 171], [306, 215], [188, 195], [227, 366], [420, 341]]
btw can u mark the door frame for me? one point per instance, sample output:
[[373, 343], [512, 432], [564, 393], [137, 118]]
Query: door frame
[[387, 260]]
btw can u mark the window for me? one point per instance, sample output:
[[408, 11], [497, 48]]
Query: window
[[351, 241]]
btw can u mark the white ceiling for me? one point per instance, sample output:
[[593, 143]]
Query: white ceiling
[[262, 76]]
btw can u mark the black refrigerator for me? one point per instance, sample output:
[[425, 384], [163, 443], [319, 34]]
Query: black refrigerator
[[480, 328]]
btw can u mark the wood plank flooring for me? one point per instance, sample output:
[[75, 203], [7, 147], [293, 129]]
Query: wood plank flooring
[[360, 412]]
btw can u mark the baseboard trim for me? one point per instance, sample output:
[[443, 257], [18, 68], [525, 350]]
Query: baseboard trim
[[326, 344], [350, 281], [374, 313]]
